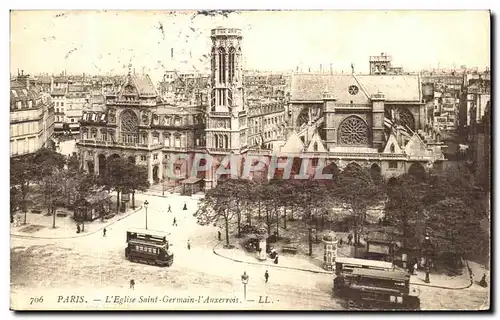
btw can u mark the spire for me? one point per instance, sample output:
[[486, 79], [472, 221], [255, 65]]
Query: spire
[[352, 67]]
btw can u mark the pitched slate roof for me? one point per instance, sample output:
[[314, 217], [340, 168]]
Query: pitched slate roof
[[310, 87], [144, 85]]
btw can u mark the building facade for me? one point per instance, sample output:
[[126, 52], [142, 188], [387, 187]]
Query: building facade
[[31, 117]]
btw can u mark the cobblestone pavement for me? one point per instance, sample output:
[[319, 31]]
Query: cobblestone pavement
[[95, 267]]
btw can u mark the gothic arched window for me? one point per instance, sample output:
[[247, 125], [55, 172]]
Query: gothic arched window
[[231, 63], [129, 122], [315, 146], [353, 131], [393, 149], [407, 118], [222, 65]]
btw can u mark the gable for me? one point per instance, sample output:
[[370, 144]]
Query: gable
[[316, 141], [293, 144], [392, 141], [416, 147]]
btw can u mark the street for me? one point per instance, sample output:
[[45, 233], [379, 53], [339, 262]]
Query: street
[[95, 266]]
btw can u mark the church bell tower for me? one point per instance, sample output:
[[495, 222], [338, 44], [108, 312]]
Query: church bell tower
[[227, 119]]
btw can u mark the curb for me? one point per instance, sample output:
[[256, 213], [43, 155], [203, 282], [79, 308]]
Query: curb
[[81, 235], [327, 272], [268, 265]]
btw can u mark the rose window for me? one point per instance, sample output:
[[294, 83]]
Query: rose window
[[353, 131], [407, 119], [353, 90]]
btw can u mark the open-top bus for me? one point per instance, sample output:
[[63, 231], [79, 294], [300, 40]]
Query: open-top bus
[[365, 288], [149, 247]]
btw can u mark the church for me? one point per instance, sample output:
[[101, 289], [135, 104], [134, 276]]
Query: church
[[375, 121]]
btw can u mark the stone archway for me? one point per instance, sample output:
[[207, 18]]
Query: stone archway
[[417, 171], [353, 166]]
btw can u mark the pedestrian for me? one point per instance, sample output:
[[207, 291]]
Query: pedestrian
[[169, 209], [104, 232], [175, 222], [266, 276], [411, 268], [219, 235], [185, 207], [415, 267], [78, 228], [132, 284], [349, 239], [189, 244], [276, 259], [341, 242]]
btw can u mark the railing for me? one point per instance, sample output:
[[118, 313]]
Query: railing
[[351, 106], [220, 114], [102, 143]]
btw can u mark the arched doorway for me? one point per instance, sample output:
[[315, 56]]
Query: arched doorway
[[101, 163], [417, 171], [376, 173]]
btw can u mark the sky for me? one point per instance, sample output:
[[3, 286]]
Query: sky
[[98, 42]]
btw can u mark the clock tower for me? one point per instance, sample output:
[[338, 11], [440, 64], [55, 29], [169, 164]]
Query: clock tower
[[226, 130]]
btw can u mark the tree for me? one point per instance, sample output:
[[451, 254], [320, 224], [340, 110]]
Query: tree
[[22, 175], [215, 207], [356, 189], [52, 188], [124, 176], [453, 227], [405, 206]]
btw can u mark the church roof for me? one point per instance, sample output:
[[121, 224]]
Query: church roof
[[144, 85], [320, 147], [310, 87]]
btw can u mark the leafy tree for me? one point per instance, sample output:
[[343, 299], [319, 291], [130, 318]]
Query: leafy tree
[[356, 189], [453, 227], [22, 175], [52, 188], [405, 206], [215, 207], [136, 179]]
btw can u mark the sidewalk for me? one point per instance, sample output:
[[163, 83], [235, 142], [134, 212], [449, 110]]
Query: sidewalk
[[314, 264], [40, 226]]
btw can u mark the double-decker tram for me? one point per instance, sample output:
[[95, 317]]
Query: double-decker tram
[[371, 286], [149, 247]]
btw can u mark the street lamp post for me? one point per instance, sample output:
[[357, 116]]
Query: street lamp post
[[146, 207], [244, 280], [427, 248]]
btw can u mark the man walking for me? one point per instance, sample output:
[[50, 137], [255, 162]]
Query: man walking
[[185, 207], [266, 276], [175, 222], [169, 209], [132, 284], [219, 234], [189, 244], [104, 232], [349, 239]]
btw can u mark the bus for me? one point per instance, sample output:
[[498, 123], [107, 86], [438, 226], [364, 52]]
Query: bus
[[347, 265], [366, 289], [149, 247]]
